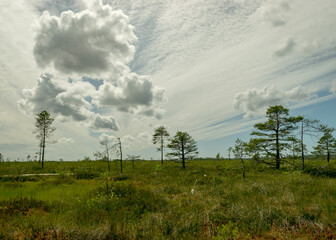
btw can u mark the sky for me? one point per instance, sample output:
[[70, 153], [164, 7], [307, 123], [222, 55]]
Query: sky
[[119, 69]]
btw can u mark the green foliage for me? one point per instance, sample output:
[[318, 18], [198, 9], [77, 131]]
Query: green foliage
[[295, 148], [239, 149], [230, 149], [158, 168], [240, 152], [43, 130], [321, 171], [159, 137], [121, 177], [160, 134], [149, 204], [86, 158], [98, 155], [86, 174], [326, 145], [274, 134], [183, 147], [228, 232]]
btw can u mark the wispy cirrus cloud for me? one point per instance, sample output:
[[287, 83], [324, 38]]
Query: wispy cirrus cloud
[[333, 87]]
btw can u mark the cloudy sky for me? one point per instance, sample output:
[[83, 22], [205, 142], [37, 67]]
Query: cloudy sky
[[121, 68]]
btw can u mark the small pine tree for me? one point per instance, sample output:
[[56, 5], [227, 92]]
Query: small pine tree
[[159, 137], [183, 146], [326, 145], [43, 130]]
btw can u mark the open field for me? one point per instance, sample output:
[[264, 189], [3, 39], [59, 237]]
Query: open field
[[207, 200]]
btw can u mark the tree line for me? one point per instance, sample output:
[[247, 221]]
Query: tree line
[[271, 140], [277, 136]]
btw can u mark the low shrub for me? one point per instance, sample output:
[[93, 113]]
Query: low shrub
[[86, 175], [321, 171], [22, 206]]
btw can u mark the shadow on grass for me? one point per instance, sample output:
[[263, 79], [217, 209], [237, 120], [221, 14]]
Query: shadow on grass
[[321, 171]]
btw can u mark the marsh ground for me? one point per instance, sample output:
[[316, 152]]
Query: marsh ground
[[208, 200]]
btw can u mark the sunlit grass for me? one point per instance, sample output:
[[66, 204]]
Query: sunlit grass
[[157, 202]]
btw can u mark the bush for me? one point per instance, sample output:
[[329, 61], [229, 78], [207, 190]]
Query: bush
[[86, 175], [21, 206], [321, 171]]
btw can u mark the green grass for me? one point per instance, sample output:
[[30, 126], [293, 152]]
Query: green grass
[[207, 200]]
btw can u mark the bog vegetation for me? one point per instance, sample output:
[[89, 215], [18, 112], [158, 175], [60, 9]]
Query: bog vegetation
[[268, 188], [208, 199]]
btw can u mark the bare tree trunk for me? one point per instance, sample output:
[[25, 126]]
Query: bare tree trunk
[[328, 156], [162, 150], [183, 162], [243, 167], [108, 158], [293, 151], [120, 155], [40, 154], [302, 147], [277, 154], [277, 145], [43, 146]]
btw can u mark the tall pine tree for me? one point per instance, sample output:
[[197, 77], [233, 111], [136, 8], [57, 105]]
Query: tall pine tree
[[43, 130], [275, 134]]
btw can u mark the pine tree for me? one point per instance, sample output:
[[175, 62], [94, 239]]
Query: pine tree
[[43, 130], [183, 146], [275, 133], [326, 145], [159, 137]]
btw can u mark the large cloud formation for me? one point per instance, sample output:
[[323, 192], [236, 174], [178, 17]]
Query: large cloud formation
[[68, 100], [88, 42], [129, 94], [94, 43], [58, 96], [254, 101]]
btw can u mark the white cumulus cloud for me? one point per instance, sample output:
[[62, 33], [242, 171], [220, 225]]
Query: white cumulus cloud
[[59, 97], [66, 100], [92, 41], [127, 141], [107, 139], [104, 122], [254, 101], [131, 93]]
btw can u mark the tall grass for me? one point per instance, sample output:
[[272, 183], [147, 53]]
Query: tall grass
[[207, 200]]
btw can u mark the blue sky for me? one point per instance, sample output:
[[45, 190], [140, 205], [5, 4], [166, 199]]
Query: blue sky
[[210, 68]]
